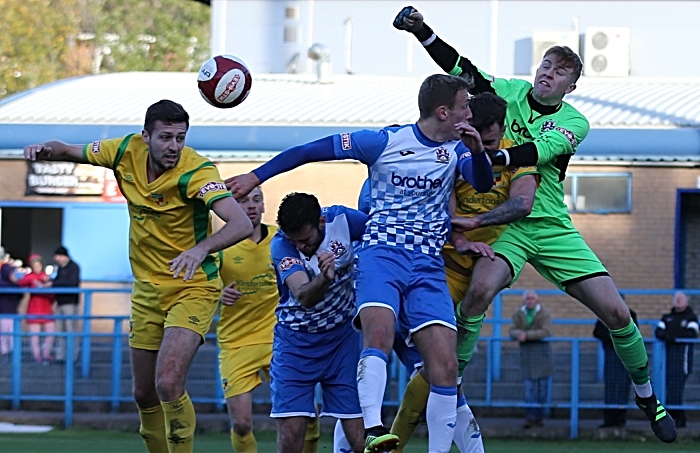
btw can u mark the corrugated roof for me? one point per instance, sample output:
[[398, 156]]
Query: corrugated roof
[[351, 101]]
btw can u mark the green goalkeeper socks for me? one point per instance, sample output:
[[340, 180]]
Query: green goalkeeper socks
[[466, 345], [629, 346]]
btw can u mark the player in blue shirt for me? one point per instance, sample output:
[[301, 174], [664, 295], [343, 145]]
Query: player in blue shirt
[[314, 340], [401, 276]]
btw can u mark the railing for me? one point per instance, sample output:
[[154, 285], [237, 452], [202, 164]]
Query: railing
[[480, 393]]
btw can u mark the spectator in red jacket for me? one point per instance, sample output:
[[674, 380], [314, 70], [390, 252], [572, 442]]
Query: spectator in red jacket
[[39, 304]]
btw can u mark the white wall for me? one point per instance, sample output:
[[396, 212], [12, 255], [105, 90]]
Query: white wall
[[664, 37]]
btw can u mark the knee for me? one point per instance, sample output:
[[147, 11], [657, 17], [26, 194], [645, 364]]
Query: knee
[[242, 426], [478, 299], [618, 317], [443, 373], [145, 397], [169, 387]]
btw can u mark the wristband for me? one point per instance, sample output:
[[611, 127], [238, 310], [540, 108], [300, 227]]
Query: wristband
[[425, 34], [500, 157]]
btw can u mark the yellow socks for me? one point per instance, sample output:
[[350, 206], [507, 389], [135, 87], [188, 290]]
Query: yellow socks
[[311, 438], [179, 424], [244, 444], [415, 400], [153, 429]]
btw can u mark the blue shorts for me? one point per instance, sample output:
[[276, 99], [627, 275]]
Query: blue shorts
[[410, 283], [300, 360]]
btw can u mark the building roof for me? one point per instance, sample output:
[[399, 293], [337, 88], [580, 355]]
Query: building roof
[[284, 109], [349, 101]]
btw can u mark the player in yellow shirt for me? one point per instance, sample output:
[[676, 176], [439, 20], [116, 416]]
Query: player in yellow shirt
[[246, 324], [477, 221], [170, 190]]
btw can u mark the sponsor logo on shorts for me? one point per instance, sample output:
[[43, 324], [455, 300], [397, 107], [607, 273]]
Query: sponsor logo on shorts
[[345, 141], [338, 248], [211, 186], [288, 262], [96, 148], [131, 329], [224, 384], [442, 156], [194, 320]]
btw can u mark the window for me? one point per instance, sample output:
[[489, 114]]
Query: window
[[599, 193]]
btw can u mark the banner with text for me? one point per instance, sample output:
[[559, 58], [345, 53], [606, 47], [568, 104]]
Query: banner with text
[[64, 178]]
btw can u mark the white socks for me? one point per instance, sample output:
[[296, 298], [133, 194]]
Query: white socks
[[371, 382], [467, 435], [442, 418]]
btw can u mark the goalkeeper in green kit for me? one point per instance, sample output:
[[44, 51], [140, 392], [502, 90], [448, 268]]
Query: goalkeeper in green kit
[[546, 132]]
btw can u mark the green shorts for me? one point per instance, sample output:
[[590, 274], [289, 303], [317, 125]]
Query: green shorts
[[556, 251]]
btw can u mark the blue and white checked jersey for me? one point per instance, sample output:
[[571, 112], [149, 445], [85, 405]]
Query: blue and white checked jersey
[[343, 226], [411, 178]]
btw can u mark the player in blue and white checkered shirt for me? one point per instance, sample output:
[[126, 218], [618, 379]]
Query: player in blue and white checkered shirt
[[314, 341], [400, 275]]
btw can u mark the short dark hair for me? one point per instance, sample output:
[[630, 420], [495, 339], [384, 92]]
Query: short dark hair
[[298, 210], [167, 112], [568, 58], [437, 90], [487, 108]]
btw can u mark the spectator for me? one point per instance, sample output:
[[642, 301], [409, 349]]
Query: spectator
[[68, 276], [8, 305], [39, 304], [681, 322], [532, 323], [617, 380]]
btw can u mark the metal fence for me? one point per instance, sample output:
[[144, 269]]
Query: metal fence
[[102, 373]]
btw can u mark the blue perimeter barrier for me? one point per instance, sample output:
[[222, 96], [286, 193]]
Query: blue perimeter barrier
[[397, 373]]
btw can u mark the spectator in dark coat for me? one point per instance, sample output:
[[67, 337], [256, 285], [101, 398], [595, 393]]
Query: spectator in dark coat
[[681, 322], [616, 378], [532, 323], [68, 276]]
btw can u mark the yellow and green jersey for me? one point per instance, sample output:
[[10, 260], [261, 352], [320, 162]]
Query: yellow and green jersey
[[167, 216], [471, 203], [251, 319]]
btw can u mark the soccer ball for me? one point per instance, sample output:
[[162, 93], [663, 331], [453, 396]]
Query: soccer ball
[[224, 81]]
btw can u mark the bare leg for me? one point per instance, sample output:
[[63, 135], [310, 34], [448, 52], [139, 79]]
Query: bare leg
[[355, 433], [240, 409], [34, 341], [290, 434], [49, 327]]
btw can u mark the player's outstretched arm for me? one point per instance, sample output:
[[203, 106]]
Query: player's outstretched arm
[[236, 228], [410, 20], [289, 159], [55, 150]]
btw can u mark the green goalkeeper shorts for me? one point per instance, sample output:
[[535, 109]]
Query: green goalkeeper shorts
[[555, 249]]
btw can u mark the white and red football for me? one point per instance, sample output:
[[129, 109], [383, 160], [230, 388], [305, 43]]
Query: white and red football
[[224, 81]]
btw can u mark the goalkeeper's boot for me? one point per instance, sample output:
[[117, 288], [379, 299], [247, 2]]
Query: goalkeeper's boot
[[378, 439], [661, 422]]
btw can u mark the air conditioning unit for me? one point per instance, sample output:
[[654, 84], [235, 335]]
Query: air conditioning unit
[[544, 39], [607, 52]]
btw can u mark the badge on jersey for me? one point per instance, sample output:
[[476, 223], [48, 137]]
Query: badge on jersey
[[442, 156]]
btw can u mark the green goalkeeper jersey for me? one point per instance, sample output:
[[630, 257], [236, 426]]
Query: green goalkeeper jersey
[[556, 136]]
